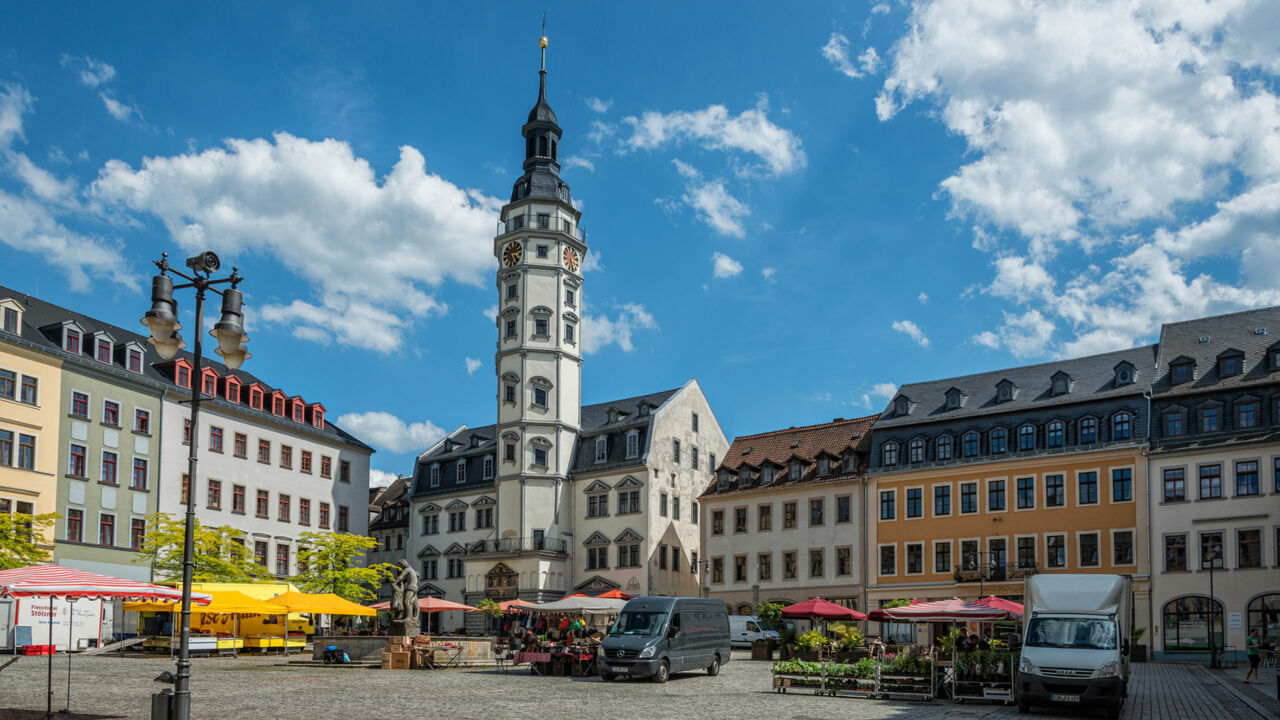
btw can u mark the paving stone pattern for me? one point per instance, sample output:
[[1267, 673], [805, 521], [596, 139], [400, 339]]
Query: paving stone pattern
[[120, 687]]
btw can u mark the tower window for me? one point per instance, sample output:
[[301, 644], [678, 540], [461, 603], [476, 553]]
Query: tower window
[[568, 333], [511, 328], [513, 291], [509, 452], [570, 297], [540, 327], [544, 221], [542, 146], [509, 392], [540, 397]]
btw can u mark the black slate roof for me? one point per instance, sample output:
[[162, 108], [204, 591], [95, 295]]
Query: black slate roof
[[1252, 332], [471, 445], [1092, 378], [389, 497], [40, 330]]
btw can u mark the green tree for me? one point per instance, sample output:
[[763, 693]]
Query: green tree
[[333, 563], [219, 552], [490, 607], [18, 536], [770, 613]]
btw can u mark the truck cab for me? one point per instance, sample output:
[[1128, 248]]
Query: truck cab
[[1075, 642]]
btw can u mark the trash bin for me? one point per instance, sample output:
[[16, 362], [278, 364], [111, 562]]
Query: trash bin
[[162, 705]]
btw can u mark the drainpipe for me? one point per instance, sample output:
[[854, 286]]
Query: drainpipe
[[1151, 563], [864, 562]]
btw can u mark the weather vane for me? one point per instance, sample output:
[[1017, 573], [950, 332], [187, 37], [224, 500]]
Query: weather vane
[[542, 42]]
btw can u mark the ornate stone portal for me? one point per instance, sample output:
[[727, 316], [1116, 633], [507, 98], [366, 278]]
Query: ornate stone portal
[[404, 602]]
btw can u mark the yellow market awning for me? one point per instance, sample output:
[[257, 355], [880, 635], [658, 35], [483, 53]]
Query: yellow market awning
[[320, 603], [224, 601]]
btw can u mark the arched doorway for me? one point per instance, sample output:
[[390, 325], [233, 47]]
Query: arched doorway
[[745, 610], [1186, 622], [1264, 614]]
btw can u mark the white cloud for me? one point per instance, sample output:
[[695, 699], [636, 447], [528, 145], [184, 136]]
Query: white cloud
[[598, 105], [1121, 158], [881, 9], [92, 72], [836, 51], [749, 132], [472, 365], [34, 225], [491, 312], [381, 478], [592, 262], [725, 266], [600, 331], [912, 331], [577, 161], [122, 111], [374, 250], [923, 297], [880, 391], [768, 273], [388, 432]]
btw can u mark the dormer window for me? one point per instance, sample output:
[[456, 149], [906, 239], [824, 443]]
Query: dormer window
[[1004, 391], [602, 449], [11, 316], [633, 444], [461, 474], [231, 389], [182, 374], [102, 350], [744, 476], [889, 453], [766, 474], [824, 467], [1060, 383], [1055, 434], [133, 358], [724, 479], [999, 442], [317, 416], [209, 382], [902, 406], [1230, 363], [71, 340], [793, 472], [1026, 438], [1124, 374], [955, 399], [255, 398], [1274, 356], [915, 451], [1181, 372], [488, 467], [299, 411], [435, 476], [944, 448]]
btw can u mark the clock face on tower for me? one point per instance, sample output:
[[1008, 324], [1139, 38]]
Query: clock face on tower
[[571, 259], [511, 254]]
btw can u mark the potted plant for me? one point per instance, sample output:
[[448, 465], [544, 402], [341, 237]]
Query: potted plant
[[810, 646], [849, 648], [770, 617], [1139, 652]]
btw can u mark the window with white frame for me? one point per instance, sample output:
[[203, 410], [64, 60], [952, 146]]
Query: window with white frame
[[461, 475], [602, 449], [435, 475], [633, 444], [488, 467]]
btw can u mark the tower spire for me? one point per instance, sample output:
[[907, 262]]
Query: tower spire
[[542, 71]]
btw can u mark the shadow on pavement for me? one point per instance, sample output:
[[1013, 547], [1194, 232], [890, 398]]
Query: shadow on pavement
[[14, 714]]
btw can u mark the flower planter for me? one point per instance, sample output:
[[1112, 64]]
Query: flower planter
[[763, 649]]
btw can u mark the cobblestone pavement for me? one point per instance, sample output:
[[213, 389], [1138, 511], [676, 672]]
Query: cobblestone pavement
[[120, 687]]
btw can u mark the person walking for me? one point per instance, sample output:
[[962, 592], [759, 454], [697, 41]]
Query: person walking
[[1251, 649]]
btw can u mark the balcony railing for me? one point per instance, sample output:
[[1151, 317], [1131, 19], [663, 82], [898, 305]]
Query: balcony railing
[[541, 221], [517, 545], [989, 573]]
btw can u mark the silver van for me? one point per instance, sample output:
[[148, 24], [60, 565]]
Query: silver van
[[746, 629], [657, 636]]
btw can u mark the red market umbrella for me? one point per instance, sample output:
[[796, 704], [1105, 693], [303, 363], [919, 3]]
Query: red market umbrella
[[819, 609], [56, 581], [1000, 603], [953, 610], [429, 605], [614, 594], [509, 606]]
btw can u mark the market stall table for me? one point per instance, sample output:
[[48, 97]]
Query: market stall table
[[997, 686]]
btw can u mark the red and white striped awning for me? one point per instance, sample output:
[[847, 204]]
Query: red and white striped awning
[[946, 611], [58, 581]]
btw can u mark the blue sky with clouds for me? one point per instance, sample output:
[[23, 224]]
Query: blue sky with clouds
[[801, 205]]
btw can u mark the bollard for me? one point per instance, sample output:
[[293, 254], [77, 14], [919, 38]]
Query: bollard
[[162, 705]]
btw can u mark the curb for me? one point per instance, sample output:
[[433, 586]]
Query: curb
[[1250, 702]]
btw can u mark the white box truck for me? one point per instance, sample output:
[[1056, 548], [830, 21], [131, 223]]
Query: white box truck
[[1075, 641]]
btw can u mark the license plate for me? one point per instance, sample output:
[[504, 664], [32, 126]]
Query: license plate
[[619, 669], [1065, 698]]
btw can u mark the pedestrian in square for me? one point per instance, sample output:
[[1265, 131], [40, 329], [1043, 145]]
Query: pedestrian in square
[[1251, 649]]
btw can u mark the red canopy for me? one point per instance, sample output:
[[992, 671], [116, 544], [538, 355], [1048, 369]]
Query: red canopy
[[513, 605], [429, 605], [819, 609], [58, 581], [1002, 604], [614, 594], [951, 610]]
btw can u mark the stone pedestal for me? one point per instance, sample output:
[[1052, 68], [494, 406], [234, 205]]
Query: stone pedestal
[[408, 628]]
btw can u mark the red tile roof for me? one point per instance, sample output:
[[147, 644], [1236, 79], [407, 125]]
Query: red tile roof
[[803, 443]]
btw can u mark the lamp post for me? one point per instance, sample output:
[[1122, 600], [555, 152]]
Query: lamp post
[[1214, 552], [162, 321]]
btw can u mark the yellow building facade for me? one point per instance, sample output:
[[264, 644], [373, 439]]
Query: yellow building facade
[[30, 393]]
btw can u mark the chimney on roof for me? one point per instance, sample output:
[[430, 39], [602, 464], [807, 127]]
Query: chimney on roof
[[837, 419]]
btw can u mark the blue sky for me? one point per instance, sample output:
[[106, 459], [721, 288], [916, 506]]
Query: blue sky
[[800, 205]]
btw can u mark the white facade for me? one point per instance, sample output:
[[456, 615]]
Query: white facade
[[1247, 528], [220, 474]]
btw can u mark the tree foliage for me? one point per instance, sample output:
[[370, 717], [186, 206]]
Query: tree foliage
[[220, 554], [334, 563], [770, 613], [490, 607], [19, 533]]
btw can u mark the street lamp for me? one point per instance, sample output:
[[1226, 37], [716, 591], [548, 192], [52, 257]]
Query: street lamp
[[162, 321], [1212, 555]]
